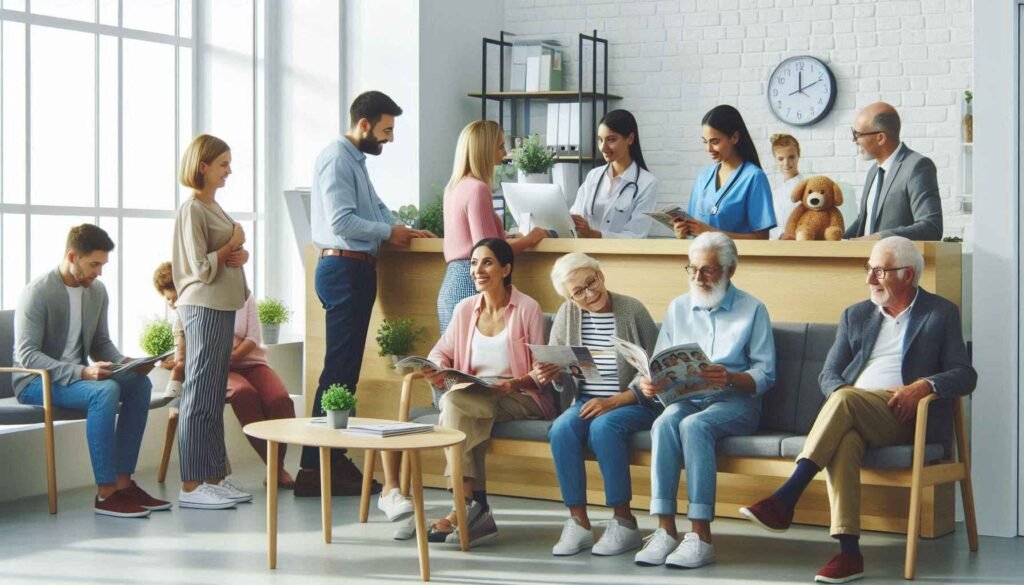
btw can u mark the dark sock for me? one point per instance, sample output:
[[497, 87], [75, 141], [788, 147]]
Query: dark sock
[[794, 487], [849, 544], [480, 497]]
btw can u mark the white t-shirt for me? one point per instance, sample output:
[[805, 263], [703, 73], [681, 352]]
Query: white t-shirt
[[781, 194], [490, 355], [884, 368], [73, 347]]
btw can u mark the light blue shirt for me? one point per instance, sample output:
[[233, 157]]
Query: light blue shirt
[[346, 212], [736, 334], [744, 203]]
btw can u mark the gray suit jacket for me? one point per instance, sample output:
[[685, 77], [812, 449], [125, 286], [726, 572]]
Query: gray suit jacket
[[933, 348], [41, 330], [909, 205]]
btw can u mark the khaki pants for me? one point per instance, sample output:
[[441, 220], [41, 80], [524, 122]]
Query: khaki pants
[[851, 420], [474, 411]]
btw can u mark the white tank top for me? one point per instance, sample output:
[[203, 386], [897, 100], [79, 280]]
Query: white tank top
[[490, 355]]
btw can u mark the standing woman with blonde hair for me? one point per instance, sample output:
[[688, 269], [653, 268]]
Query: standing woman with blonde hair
[[206, 265]]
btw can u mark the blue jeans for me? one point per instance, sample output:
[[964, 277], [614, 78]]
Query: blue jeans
[[688, 430], [113, 440], [608, 437]]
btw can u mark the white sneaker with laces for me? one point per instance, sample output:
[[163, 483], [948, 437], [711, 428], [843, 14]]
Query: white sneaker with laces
[[205, 497], [658, 545], [173, 389], [405, 530], [617, 539], [574, 539], [394, 505], [234, 491], [692, 553]]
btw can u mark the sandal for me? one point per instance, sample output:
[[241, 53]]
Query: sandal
[[439, 530]]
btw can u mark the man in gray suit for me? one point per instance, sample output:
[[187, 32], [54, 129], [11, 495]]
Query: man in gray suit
[[890, 352], [901, 193], [60, 322]]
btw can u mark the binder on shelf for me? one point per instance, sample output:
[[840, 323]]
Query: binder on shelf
[[533, 73], [551, 137], [518, 82], [574, 127], [564, 111]]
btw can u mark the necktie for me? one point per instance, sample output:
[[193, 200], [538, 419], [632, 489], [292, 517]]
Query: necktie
[[879, 178]]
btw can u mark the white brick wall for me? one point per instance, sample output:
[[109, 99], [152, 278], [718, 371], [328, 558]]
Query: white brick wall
[[672, 60]]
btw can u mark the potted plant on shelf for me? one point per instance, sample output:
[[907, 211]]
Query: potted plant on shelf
[[968, 117], [338, 403], [398, 337], [272, 313], [533, 160]]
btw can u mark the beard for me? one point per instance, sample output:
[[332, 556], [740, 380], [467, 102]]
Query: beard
[[77, 273], [865, 156], [370, 145], [709, 299]]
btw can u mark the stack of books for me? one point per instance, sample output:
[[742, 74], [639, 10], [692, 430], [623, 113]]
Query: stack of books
[[389, 429]]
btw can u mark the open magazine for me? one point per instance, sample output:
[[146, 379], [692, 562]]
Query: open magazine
[[668, 216], [577, 360], [120, 371], [680, 365], [453, 379]]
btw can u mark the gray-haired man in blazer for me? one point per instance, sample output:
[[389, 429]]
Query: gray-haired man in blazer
[[61, 321], [889, 353], [901, 192]]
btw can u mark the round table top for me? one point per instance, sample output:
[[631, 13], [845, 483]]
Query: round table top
[[299, 431]]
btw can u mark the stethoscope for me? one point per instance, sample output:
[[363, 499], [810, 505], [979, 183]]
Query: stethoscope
[[633, 184], [732, 181]]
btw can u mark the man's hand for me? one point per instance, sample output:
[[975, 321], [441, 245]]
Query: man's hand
[[904, 399], [97, 371], [650, 389], [544, 373], [401, 235], [716, 375], [238, 258], [595, 407]]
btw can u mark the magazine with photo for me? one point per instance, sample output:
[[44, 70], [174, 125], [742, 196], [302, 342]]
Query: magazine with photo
[[577, 360], [453, 379], [668, 216], [681, 365], [120, 371]]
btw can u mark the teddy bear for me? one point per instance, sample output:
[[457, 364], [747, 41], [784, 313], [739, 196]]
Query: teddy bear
[[817, 216]]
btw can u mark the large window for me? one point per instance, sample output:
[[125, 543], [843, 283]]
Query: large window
[[98, 98]]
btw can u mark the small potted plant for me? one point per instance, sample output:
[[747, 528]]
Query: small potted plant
[[398, 337], [338, 403], [157, 337], [968, 117], [272, 314], [533, 160], [408, 215]]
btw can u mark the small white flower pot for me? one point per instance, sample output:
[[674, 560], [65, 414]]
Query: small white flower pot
[[270, 333], [533, 177], [337, 419]]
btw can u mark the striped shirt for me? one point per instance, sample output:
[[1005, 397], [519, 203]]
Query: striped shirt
[[596, 330]]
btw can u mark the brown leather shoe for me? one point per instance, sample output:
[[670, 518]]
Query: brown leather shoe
[[307, 485]]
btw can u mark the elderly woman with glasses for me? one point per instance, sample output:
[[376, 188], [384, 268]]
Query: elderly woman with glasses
[[604, 413]]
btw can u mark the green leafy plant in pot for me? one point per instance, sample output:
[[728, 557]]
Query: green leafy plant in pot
[[338, 403], [157, 337], [398, 337], [533, 160], [272, 313]]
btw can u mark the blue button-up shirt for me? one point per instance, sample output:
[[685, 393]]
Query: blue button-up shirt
[[736, 334], [346, 212]]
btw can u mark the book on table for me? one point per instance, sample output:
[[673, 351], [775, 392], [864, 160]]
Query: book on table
[[389, 429], [577, 360], [120, 371], [453, 379], [679, 367]]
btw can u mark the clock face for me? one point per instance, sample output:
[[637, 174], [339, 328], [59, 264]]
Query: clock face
[[801, 91]]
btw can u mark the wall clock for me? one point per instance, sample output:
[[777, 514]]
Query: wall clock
[[801, 91]]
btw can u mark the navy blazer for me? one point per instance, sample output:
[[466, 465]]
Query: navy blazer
[[933, 348]]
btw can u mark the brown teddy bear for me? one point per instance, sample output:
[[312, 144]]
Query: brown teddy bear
[[817, 217]]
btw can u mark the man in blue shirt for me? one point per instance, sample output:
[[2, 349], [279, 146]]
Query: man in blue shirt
[[349, 222], [734, 331]]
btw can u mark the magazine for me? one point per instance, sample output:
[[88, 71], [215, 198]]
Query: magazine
[[388, 429], [453, 379], [120, 371], [577, 360], [668, 216], [680, 365]]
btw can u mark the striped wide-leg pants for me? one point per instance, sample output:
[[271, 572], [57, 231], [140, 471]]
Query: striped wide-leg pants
[[209, 334]]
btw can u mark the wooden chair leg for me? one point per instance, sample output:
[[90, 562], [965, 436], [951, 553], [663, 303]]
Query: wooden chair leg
[[369, 461], [403, 478], [51, 465], [966, 489], [165, 458]]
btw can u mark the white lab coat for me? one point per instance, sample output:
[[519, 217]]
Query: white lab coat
[[624, 218]]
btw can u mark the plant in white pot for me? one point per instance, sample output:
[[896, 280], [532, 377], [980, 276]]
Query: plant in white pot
[[398, 337], [272, 313], [157, 338], [533, 160], [338, 403]]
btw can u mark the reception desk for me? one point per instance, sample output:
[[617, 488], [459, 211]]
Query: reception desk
[[797, 281]]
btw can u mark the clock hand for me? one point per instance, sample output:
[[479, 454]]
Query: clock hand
[[801, 90]]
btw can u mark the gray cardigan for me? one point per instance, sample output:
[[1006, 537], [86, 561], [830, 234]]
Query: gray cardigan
[[41, 330], [632, 323]]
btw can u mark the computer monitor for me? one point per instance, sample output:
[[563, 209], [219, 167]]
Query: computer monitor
[[539, 205]]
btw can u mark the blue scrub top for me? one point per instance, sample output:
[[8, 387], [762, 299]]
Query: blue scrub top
[[747, 203]]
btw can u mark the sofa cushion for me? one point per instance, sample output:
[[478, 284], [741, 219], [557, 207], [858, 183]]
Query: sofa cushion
[[820, 337], [779, 404], [894, 457], [759, 445]]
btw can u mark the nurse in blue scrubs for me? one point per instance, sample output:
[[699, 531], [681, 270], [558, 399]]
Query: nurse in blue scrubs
[[732, 195]]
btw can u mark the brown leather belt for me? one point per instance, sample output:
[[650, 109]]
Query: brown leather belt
[[368, 258]]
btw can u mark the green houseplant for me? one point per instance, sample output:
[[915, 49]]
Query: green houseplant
[[968, 116], [157, 337], [407, 214], [397, 337], [272, 313], [338, 403], [533, 160], [432, 215]]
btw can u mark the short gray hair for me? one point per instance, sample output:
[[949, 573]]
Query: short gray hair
[[888, 122], [719, 243], [904, 253], [568, 264]]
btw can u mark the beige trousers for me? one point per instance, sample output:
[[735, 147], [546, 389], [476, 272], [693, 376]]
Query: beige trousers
[[850, 421], [474, 411]]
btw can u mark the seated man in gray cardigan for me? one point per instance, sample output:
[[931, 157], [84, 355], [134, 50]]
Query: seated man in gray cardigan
[[61, 320], [890, 352]]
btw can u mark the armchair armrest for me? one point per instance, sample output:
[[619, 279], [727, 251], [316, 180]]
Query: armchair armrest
[[921, 428], [47, 388], [406, 399]]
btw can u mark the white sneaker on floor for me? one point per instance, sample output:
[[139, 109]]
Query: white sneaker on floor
[[617, 539], [173, 389], [234, 491], [394, 505], [658, 546], [574, 539], [205, 497], [692, 553], [405, 530]]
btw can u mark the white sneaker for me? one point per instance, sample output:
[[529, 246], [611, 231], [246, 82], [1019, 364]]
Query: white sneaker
[[617, 539], [205, 497], [234, 491], [405, 530], [173, 389], [692, 553], [574, 539], [394, 505], [658, 546]]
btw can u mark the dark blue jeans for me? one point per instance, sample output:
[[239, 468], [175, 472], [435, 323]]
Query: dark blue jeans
[[347, 289]]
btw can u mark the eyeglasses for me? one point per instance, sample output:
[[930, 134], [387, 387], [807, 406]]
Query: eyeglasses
[[705, 271], [857, 135], [878, 272], [590, 285]]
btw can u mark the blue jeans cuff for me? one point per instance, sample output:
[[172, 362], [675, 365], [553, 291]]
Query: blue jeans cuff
[[661, 507], [700, 511]]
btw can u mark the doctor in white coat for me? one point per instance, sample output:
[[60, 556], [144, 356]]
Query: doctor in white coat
[[613, 198]]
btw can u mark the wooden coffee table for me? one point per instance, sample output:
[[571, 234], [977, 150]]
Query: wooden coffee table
[[299, 431]]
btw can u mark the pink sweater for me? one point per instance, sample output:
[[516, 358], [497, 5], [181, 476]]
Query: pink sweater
[[524, 321], [468, 218], [247, 326]]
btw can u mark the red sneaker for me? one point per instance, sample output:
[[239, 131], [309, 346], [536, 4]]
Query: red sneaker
[[145, 500], [120, 505], [770, 514], [843, 568]]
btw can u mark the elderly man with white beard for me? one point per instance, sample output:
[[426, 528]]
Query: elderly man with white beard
[[734, 330]]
